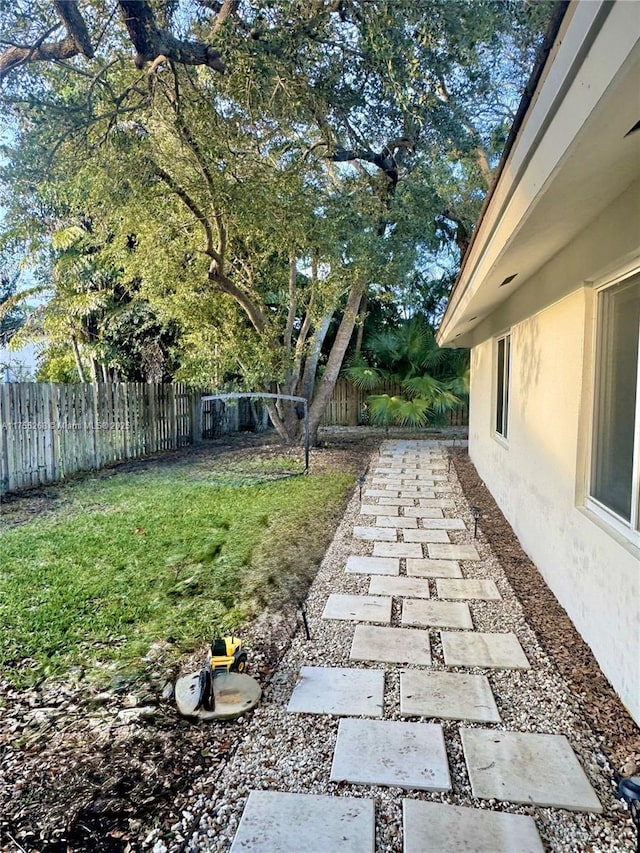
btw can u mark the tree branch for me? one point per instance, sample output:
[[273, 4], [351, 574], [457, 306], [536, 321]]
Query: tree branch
[[386, 160], [306, 325], [150, 41], [258, 318], [186, 199], [291, 315], [462, 234], [76, 41], [72, 18], [203, 166], [227, 8]]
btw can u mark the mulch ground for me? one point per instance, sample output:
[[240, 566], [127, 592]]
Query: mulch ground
[[556, 633]]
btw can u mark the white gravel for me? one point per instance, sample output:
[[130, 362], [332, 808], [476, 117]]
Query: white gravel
[[290, 752]]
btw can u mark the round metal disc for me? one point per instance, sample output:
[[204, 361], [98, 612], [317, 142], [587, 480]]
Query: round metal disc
[[234, 693]]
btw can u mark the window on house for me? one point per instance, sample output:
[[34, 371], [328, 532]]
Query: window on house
[[615, 471], [502, 384]]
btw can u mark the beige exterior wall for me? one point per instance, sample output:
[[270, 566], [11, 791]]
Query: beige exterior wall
[[538, 475]]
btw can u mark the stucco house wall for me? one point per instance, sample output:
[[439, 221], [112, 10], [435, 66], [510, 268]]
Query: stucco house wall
[[553, 262], [538, 475]]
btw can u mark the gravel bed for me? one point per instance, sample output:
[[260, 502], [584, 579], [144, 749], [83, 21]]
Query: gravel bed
[[293, 752]]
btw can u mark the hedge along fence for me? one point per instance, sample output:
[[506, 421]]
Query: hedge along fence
[[52, 431], [348, 405]]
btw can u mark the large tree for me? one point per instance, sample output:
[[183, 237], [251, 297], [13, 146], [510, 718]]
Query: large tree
[[345, 145]]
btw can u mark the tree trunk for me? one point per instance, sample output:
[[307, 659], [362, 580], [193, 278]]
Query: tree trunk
[[362, 316], [311, 363], [334, 364], [78, 360], [277, 422], [93, 366]]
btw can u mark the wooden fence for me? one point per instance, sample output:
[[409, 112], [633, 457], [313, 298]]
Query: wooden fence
[[51, 431], [348, 405], [48, 432]]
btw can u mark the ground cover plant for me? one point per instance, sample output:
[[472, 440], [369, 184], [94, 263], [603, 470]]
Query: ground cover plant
[[170, 556]]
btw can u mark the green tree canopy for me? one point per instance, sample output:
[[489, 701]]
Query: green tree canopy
[[343, 155]]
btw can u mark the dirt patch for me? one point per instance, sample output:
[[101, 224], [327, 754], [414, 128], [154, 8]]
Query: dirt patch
[[556, 633], [87, 772], [99, 773]]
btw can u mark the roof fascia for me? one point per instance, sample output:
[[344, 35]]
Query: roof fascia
[[575, 27]]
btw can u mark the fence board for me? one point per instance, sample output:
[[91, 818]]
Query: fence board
[[49, 432]]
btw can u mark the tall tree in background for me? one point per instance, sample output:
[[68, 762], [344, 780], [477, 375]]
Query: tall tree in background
[[14, 313], [347, 145]]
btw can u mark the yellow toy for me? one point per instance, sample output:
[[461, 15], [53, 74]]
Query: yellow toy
[[227, 655]]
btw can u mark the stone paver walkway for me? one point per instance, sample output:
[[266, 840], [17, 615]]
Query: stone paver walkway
[[418, 552]]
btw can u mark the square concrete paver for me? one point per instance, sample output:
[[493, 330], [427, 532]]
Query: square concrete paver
[[527, 768], [484, 590], [363, 608], [371, 509], [338, 690], [399, 586], [386, 752], [426, 535], [447, 695], [279, 822], [391, 645], [494, 651], [384, 534], [414, 494], [434, 569], [442, 614], [397, 549], [373, 565], [446, 503], [444, 524], [453, 552], [394, 521], [439, 828], [424, 512]]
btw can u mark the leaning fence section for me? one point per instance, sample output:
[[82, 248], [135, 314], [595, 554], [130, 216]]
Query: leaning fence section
[[52, 431]]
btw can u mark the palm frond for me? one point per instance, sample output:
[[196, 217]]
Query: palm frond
[[412, 413], [381, 408], [424, 386], [362, 375]]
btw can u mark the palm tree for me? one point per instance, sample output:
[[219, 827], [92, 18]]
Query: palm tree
[[433, 380]]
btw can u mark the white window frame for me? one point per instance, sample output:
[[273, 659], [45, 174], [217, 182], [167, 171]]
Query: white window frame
[[502, 403], [630, 530]]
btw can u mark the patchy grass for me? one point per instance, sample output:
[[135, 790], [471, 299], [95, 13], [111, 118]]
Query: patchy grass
[[145, 557]]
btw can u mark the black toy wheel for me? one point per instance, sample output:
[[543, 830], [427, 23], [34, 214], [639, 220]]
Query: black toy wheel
[[240, 663], [205, 691]]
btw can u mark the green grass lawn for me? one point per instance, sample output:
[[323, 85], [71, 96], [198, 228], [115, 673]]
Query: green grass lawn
[[139, 558]]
